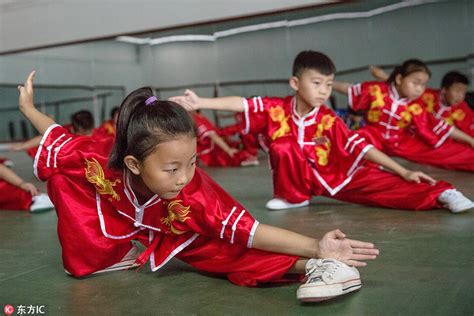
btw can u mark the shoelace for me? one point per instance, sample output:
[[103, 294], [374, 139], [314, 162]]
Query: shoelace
[[317, 270]]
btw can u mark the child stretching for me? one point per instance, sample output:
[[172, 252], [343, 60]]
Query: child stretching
[[446, 103], [314, 153], [150, 190], [213, 150], [394, 107]]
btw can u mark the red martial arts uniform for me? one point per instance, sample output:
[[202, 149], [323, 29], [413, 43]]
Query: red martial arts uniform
[[318, 155], [99, 214], [209, 153], [107, 129], [459, 115], [391, 121], [14, 198]]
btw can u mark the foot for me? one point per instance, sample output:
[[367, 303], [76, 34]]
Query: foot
[[280, 204], [455, 201], [252, 161], [127, 262], [327, 278], [41, 203]]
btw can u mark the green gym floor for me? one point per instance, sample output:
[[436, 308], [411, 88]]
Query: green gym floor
[[426, 265]]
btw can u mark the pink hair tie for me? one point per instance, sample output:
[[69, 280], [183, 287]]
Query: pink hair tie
[[150, 100]]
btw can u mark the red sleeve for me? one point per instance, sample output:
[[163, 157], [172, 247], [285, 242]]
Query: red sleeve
[[359, 95], [463, 118], [61, 152], [203, 126], [433, 130], [215, 214], [256, 113]]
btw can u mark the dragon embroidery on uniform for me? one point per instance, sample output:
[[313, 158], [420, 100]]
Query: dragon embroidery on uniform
[[322, 152], [176, 212], [277, 114], [457, 115], [407, 115], [95, 175], [377, 104], [428, 98]]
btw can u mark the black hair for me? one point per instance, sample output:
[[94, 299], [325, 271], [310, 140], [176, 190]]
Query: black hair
[[453, 77], [408, 67], [313, 60], [82, 120], [114, 111], [141, 127]]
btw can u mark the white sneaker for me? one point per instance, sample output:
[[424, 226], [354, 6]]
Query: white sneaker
[[249, 162], [280, 204], [41, 202], [8, 163], [327, 278], [455, 201]]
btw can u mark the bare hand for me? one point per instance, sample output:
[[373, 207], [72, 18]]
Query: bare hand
[[26, 92], [335, 245], [232, 151], [189, 101], [418, 176], [378, 73], [29, 187]]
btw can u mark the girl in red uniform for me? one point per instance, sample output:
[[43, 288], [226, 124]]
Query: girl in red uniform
[[394, 109], [150, 190]]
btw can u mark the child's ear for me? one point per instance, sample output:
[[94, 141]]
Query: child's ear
[[294, 83], [132, 164], [398, 79]]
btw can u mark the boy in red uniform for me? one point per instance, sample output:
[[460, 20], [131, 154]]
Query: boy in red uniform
[[314, 153]]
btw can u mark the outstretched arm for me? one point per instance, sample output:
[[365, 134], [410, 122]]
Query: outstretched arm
[[462, 137], [191, 101], [30, 143], [39, 120], [382, 159], [334, 244], [378, 73], [219, 141], [12, 178], [341, 87]]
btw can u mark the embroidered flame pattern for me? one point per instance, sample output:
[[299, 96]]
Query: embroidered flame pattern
[[277, 114], [429, 100], [377, 103], [323, 154], [95, 175], [407, 115], [176, 212], [327, 121]]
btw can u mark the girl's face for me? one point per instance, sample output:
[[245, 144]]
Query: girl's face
[[170, 167], [413, 85]]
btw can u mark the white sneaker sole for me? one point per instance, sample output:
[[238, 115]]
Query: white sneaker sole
[[310, 293], [463, 209], [287, 206]]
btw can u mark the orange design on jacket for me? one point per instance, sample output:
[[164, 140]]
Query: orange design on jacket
[[176, 212], [277, 114], [429, 99], [413, 109], [457, 115], [377, 104], [95, 175], [322, 151]]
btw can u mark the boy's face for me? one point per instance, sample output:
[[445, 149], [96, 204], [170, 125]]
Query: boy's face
[[455, 93], [312, 87]]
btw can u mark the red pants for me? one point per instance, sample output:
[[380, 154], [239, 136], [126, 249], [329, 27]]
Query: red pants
[[450, 155], [218, 158], [294, 181], [14, 198]]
